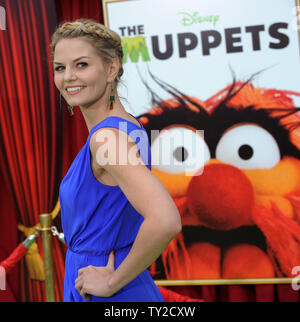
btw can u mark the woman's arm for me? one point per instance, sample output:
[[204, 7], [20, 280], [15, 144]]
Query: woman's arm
[[150, 198]]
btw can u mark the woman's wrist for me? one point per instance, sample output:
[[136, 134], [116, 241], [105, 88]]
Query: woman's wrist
[[112, 284]]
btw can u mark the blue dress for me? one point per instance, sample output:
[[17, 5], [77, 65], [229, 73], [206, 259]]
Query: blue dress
[[98, 218]]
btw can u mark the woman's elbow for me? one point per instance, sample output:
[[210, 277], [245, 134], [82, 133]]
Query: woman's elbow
[[173, 226], [178, 227]]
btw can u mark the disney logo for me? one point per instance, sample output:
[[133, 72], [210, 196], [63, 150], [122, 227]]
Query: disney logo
[[189, 19]]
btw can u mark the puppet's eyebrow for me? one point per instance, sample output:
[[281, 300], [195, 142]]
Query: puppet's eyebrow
[[75, 60]]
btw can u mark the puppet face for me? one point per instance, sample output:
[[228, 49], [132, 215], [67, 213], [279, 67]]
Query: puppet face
[[240, 215]]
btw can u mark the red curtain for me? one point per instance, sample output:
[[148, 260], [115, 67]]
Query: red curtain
[[74, 9], [8, 240], [31, 126]]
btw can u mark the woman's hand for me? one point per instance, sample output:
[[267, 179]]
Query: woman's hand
[[94, 280]]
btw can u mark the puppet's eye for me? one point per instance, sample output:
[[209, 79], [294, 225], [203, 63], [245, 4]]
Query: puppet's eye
[[178, 150], [248, 146]]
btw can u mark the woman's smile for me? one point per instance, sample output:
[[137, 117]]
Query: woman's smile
[[73, 90]]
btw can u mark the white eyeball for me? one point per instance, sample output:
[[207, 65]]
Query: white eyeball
[[248, 146], [179, 149]]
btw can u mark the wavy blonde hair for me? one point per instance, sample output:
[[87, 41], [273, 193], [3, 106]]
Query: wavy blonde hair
[[106, 41]]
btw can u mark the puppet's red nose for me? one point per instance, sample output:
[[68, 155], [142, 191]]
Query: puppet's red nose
[[221, 197]]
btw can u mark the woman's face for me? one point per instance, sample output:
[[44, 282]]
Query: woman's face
[[79, 73]]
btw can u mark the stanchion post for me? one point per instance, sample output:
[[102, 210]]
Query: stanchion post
[[45, 221]]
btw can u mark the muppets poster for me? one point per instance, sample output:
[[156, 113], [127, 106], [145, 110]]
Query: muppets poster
[[226, 73]]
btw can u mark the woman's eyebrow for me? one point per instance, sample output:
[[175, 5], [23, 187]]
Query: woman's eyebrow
[[57, 63]]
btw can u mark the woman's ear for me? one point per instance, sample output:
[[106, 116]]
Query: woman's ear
[[113, 69]]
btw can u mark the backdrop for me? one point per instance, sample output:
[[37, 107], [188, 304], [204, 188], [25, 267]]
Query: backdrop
[[181, 60]]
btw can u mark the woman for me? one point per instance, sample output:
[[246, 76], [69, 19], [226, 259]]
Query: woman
[[117, 216]]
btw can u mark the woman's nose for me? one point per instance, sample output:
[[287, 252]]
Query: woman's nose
[[69, 74]]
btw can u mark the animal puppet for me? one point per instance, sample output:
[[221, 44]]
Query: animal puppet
[[241, 211]]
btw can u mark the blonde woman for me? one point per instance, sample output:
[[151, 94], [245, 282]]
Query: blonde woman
[[117, 216]]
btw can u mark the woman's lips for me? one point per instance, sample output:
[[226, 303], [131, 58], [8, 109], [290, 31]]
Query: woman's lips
[[74, 90]]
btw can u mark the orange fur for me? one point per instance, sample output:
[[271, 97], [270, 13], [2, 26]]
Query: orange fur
[[276, 205]]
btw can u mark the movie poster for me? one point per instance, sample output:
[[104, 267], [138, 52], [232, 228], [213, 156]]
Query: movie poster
[[225, 75]]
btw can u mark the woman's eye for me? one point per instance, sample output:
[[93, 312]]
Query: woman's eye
[[59, 68], [79, 65], [82, 64], [248, 146], [178, 150]]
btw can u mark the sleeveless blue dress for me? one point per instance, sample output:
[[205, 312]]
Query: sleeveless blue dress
[[98, 218]]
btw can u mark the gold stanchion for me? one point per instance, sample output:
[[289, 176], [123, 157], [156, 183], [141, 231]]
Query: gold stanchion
[[45, 221]]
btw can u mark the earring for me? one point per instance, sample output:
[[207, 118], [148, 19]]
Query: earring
[[111, 97], [70, 109]]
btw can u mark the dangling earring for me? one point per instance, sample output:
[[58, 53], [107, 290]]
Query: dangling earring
[[111, 97], [70, 109]]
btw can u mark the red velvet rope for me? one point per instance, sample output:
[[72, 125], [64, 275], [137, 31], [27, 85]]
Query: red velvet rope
[[14, 258]]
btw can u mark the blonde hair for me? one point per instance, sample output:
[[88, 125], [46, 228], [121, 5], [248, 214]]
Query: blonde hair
[[106, 41]]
